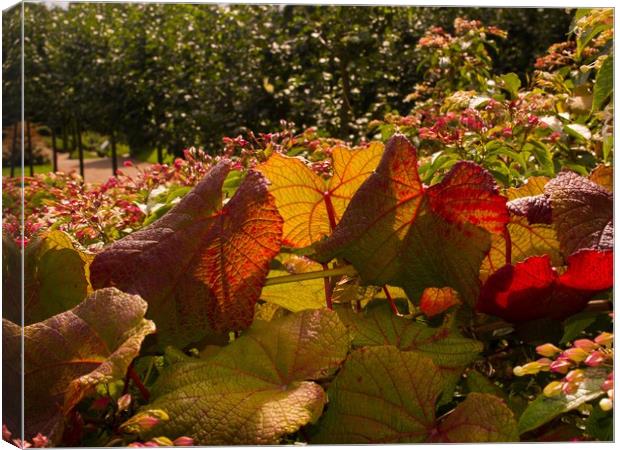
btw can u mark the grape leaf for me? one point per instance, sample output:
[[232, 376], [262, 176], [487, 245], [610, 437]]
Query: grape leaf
[[480, 418], [603, 176], [11, 279], [537, 208], [532, 187], [258, 388], [67, 355], [297, 296], [200, 267], [51, 260], [543, 409], [526, 240], [397, 232], [532, 289], [384, 395], [434, 301], [377, 326], [304, 199], [582, 212]]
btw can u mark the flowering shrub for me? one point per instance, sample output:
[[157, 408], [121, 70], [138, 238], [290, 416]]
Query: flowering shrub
[[456, 273]]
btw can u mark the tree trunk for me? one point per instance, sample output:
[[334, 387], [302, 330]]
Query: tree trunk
[[78, 135], [13, 155], [54, 151], [114, 162], [30, 155]]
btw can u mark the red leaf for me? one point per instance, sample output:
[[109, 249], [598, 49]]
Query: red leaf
[[200, 267], [395, 231], [434, 301], [532, 289]]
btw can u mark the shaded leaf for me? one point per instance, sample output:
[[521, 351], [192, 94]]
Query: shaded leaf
[[377, 326], [67, 355], [384, 395], [200, 267], [434, 301], [304, 199], [582, 212], [258, 388], [52, 261], [397, 232], [537, 209], [532, 289], [480, 418], [544, 409]]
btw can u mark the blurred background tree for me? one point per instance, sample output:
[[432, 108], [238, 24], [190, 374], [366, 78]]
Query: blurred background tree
[[169, 76]]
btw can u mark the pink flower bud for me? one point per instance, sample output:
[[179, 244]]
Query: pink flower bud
[[607, 385], [595, 359], [136, 444], [123, 402], [575, 354], [545, 364], [6, 434], [183, 441], [575, 376], [605, 339], [552, 389], [163, 441], [548, 350], [40, 441], [560, 365], [569, 388], [585, 344]]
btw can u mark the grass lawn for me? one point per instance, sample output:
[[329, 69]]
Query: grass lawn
[[43, 168]]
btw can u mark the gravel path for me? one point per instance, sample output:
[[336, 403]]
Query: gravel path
[[97, 170]]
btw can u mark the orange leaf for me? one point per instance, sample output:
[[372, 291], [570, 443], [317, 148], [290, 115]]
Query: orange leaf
[[434, 301]]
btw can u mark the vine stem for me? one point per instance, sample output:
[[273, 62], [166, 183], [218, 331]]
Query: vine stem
[[348, 270], [133, 376], [328, 289], [391, 300], [508, 241]]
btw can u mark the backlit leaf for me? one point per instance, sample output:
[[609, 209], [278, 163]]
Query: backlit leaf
[[436, 300], [67, 355], [258, 388], [603, 176], [604, 84], [200, 267], [397, 232], [532, 289], [533, 186], [305, 200], [297, 296], [384, 395], [526, 240]]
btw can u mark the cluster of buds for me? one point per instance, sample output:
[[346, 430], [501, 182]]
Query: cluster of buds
[[162, 441], [570, 362], [38, 441]]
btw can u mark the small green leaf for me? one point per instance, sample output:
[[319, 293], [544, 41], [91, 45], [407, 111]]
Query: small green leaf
[[258, 388], [600, 424], [545, 409], [574, 325], [604, 84], [511, 83], [578, 131]]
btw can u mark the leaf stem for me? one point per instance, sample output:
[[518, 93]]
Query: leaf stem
[[344, 270], [133, 376], [328, 289], [508, 242], [391, 300]]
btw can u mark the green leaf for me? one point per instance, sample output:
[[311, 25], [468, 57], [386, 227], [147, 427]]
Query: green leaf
[[604, 84], [397, 232], [578, 131], [55, 276], [377, 326], [67, 355], [257, 389], [476, 382], [600, 424], [511, 83], [574, 325], [297, 296], [544, 409], [384, 395], [480, 418]]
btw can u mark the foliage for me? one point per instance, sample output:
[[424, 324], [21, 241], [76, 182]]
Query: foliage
[[307, 289]]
